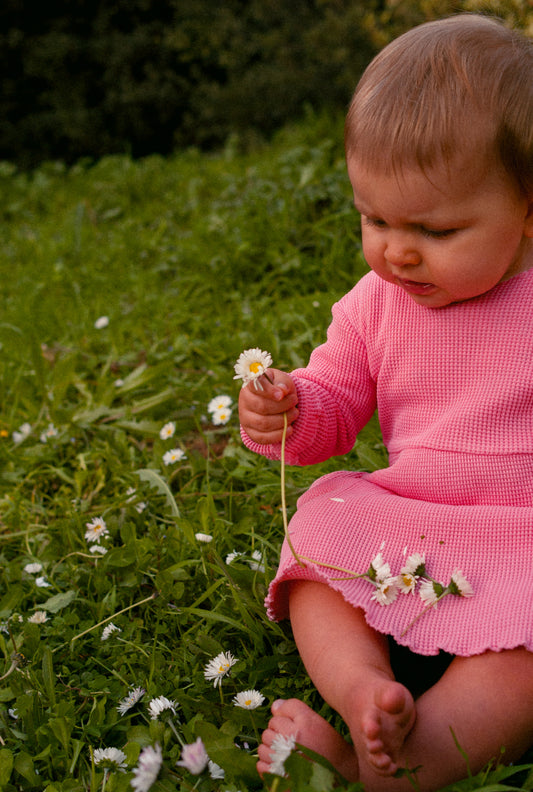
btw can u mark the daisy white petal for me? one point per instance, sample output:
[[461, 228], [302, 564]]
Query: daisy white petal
[[218, 667], [148, 767], [430, 592], [173, 456], [203, 537], [110, 758], [415, 565], [159, 705], [131, 700], [101, 322], [251, 365], [194, 757], [22, 433], [33, 569], [459, 585], [108, 630], [39, 617], [386, 592], [219, 403], [281, 748], [221, 417], [379, 570], [215, 771], [230, 558], [167, 430], [248, 699], [96, 530], [97, 549], [407, 582], [41, 582], [51, 431], [257, 564]]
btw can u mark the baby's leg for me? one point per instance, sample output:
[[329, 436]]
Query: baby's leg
[[487, 700], [349, 664]]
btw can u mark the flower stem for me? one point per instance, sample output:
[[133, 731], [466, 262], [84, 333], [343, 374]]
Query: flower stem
[[426, 609], [283, 498], [94, 627]]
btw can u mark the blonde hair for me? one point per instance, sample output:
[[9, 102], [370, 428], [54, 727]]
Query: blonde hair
[[458, 85]]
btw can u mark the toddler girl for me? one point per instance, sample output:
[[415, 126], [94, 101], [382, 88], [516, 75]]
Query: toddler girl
[[434, 552]]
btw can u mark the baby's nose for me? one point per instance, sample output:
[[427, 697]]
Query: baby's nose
[[400, 252]]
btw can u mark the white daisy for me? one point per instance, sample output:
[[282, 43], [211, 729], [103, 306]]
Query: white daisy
[[406, 582], [39, 617], [430, 592], [108, 630], [248, 699], [101, 322], [215, 771], [459, 585], [251, 365], [51, 431], [231, 557], [159, 705], [203, 537], [386, 592], [380, 571], [194, 757], [131, 700], [21, 433], [415, 565], [41, 582], [148, 767], [221, 417], [173, 456], [281, 748], [95, 548], [218, 667], [167, 430], [257, 563], [96, 529], [219, 403], [34, 568], [110, 758]]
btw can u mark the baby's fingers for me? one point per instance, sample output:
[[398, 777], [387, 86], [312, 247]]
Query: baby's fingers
[[267, 429]]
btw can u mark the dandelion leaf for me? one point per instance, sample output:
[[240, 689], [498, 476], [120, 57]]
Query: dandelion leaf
[[59, 601], [6, 766]]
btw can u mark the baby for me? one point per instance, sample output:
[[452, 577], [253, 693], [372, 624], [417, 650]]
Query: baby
[[438, 338]]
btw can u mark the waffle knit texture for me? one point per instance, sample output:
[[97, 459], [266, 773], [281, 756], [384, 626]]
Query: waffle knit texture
[[453, 387]]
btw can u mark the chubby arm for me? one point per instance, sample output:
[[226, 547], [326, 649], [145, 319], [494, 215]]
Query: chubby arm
[[327, 403]]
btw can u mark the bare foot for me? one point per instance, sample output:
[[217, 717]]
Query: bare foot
[[293, 717], [385, 726]]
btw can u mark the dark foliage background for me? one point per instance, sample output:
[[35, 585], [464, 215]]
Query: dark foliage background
[[82, 78]]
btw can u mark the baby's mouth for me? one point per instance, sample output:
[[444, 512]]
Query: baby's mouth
[[415, 287]]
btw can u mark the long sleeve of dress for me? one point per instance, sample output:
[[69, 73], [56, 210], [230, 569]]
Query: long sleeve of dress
[[336, 395]]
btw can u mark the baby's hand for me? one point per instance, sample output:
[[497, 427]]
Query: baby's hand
[[261, 412]]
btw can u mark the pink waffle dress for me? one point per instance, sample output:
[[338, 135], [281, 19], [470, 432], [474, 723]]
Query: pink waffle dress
[[454, 391]]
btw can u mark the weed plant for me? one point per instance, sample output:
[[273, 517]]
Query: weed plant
[[137, 535]]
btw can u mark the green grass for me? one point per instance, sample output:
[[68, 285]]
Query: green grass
[[192, 259]]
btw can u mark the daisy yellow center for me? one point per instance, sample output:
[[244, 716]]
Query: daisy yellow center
[[248, 702], [255, 367]]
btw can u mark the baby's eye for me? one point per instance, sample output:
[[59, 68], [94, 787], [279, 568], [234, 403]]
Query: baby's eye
[[434, 233], [373, 221]]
